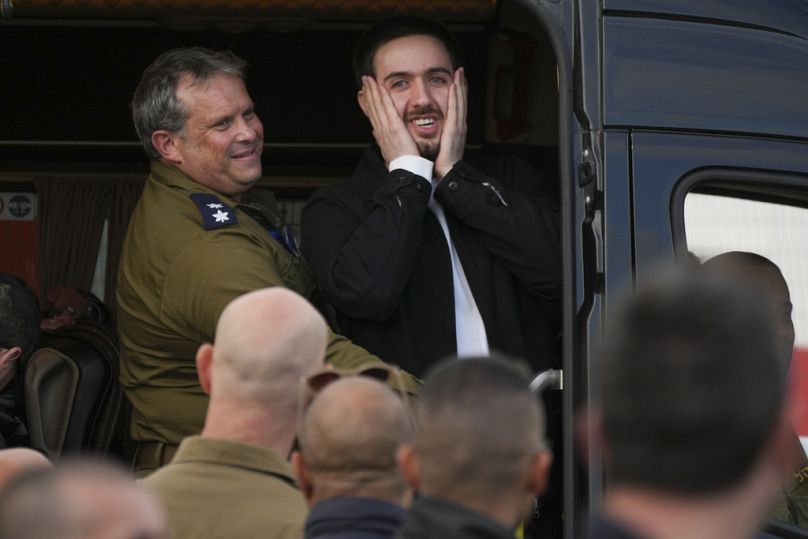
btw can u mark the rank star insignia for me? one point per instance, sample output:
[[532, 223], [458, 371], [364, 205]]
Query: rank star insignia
[[214, 206], [221, 216]]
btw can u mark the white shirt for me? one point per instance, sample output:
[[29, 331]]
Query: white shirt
[[469, 328]]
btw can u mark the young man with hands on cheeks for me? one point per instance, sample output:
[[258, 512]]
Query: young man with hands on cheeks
[[424, 253]]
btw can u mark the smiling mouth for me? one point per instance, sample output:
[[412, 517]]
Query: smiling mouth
[[424, 122], [245, 154]]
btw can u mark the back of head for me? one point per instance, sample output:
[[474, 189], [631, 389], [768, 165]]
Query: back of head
[[19, 315], [349, 437], [16, 460], [266, 341], [691, 388], [392, 28], [764, 275], [478, 425], [78, 500], [155, 104]]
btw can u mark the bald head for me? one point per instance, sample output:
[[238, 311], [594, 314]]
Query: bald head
[[266, 341], [78, 501], [16, 460], [765, 276], [349, 438]]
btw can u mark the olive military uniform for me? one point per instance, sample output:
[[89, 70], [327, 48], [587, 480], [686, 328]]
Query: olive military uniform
[[219, 489], [188, 252]]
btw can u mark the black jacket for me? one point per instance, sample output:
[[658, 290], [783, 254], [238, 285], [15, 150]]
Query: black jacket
[[431, 518], [348, 517], [383, 261]]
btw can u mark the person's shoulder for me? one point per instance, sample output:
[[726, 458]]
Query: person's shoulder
[[175, 200], [212, 212], [352, 193], [519, 174], [495, 164]]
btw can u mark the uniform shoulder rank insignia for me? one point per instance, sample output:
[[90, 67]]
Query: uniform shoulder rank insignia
[[215, 213]]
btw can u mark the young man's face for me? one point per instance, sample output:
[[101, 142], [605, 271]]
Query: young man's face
[[221, 143], [417, 71]]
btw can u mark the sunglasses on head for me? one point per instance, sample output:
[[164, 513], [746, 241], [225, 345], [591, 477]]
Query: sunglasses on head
[[318, 381]]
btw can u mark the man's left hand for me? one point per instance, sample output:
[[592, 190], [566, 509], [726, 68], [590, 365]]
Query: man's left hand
[[453, 137]]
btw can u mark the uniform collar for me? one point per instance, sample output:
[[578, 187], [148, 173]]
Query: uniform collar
[[234, 454], [172, 176]]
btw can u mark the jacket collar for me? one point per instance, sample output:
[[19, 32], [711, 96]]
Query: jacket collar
[[434, 517], [235, 454]]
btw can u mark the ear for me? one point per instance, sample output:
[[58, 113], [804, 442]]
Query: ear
[[407, 460], [8, 364], [10, 355], [303, 476], [166, 144], [538, 472], [362, 100], [204, 366]]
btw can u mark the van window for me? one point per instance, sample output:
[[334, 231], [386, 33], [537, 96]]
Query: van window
[[716, 224]]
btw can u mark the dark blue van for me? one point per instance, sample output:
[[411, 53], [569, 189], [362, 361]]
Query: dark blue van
[[675, 129]]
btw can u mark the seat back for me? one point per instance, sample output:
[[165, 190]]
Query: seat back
[[72, 394]]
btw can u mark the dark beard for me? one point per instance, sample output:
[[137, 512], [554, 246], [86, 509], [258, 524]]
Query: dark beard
[[428, 150]]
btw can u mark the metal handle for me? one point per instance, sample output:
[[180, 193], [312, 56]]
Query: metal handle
[[549, 379]]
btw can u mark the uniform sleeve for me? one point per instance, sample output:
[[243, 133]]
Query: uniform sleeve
[[344, 354], [516, 224], [363, 256], [210, 272], [219, 267]]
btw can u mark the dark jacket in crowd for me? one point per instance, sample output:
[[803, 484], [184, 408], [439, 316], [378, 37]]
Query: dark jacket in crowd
[[353, 518], [13, 432], [431, 518]]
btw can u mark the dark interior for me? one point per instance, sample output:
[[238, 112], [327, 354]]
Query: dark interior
[[67, 88]]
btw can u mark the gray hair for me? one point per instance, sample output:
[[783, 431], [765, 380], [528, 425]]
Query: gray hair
[[155, 104]]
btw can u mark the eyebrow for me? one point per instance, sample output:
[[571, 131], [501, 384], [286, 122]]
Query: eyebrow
[[216, 120], [406, 74], [227, 117]]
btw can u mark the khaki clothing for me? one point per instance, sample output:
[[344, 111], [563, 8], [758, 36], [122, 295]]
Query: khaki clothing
[[175, 278], [221, 489]]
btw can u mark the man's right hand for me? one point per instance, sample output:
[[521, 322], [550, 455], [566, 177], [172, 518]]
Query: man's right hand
[[389, 130]]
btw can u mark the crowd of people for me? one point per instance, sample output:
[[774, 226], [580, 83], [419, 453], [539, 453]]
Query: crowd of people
[[252, 417]]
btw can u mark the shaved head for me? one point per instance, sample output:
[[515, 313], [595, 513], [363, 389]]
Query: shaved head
[[349, 438], [764, 275], [16, 460], [266, 341], [78, 500]]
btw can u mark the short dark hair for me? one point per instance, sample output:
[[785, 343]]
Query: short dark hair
[[732, 259], [691, 385], [20, 315], [477, 423], [392, 28], [155, 104]]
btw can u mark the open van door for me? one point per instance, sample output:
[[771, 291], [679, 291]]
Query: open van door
[[699, 139]]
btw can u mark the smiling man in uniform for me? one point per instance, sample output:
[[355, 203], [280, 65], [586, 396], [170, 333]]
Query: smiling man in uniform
[[199, 237], [425, 253]]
